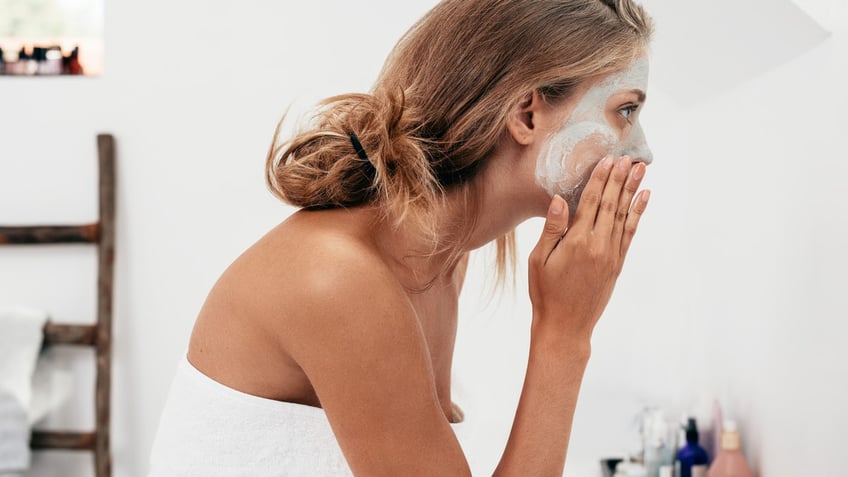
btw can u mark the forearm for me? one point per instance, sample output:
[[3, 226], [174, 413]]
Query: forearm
[[541, 430]]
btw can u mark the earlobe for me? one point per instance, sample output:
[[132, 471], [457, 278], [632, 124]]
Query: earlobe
[[521, 123]]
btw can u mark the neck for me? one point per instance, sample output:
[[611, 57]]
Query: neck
[[470, 216]]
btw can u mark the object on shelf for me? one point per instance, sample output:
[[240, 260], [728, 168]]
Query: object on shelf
[[658, 437], [692, 459], [608, 466], [730, 462], [38, 60]]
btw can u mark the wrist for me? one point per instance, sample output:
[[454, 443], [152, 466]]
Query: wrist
[[556, 343]]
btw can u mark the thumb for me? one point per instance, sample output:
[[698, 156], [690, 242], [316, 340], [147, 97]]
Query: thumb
[[555, 224]]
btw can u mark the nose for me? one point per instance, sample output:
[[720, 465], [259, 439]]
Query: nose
[[646, 156], [639, 150]]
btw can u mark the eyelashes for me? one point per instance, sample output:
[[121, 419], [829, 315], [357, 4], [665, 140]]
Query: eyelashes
[[627, 112]]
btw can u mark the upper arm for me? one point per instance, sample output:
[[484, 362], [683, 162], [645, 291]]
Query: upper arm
[[354, 333]]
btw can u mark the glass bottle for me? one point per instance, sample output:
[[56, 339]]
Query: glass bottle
[[693, 459], [730, 462]]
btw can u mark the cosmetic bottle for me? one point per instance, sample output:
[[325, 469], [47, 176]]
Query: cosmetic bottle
[[19, 66], [658, 437], [714, 445], [52, 64], [72, 64], [12, 63], [27, 63], [2, 63], [692, 458], [730, 462], [38, 54]]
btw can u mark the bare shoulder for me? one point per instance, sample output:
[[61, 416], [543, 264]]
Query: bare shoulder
[[326, 255], [317, 271], [336, 269]]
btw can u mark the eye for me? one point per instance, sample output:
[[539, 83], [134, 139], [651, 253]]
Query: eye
[[628, 111]]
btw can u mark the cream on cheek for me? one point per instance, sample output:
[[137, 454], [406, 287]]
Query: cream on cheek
[[569, 155]]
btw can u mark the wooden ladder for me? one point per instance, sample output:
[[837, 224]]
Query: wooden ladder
[[102, 235]]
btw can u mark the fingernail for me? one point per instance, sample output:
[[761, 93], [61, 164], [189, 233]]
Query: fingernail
[[646, 196], [639, 171], [607, 163], [623, 163], [557, 205]]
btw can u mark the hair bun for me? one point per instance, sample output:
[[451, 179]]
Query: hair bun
[[324, 168]]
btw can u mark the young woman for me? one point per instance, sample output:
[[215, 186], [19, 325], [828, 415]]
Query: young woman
[[326, 347]]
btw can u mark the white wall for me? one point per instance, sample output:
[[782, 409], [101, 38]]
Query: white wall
[[733, 287]]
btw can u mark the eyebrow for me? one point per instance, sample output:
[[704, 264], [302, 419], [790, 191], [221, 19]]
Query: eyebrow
[[641, 94]]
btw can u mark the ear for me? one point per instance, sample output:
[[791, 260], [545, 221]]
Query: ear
[[523, 123]]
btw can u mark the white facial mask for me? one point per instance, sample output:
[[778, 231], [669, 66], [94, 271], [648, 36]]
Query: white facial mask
[[559, 170]]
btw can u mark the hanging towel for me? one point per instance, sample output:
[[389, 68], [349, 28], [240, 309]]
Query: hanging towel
[[14, 437], [20, 342]]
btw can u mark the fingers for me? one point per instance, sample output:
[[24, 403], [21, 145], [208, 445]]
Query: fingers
[[555, 225], [632, 222], [637, 172], [587, 209], [609, 210]]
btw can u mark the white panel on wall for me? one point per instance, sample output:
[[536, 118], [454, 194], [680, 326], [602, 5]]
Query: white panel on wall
[[707, 48], [831, 14]]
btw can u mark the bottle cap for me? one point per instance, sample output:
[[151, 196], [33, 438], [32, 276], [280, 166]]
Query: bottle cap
[[692, 430], [730, 439]]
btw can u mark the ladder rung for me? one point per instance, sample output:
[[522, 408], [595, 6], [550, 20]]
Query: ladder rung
[[55, 334], [63, 440], [44, 234]]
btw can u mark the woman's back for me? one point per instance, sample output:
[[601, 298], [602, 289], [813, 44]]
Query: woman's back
[[247, 328]]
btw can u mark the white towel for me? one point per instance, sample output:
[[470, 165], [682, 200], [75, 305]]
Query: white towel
[[20, 342], [210, 430], [14, 437], [52, 383], [21, 332]]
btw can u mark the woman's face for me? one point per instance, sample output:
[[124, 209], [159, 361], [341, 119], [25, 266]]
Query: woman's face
[[605, 122]]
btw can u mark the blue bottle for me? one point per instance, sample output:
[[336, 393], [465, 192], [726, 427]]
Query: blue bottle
[[693, 459]]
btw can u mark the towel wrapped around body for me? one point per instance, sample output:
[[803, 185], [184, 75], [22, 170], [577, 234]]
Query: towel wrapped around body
[[208, 429]]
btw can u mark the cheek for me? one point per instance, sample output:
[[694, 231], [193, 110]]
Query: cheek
[[572, 153], [577, 146], [591, 150]]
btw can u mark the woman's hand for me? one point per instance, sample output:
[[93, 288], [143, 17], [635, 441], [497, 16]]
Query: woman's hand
[[573, 271]]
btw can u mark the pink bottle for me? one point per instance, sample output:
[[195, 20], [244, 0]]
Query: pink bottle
[[730, 462]]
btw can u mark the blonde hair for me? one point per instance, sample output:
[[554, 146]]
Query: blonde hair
[[440, 105]]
